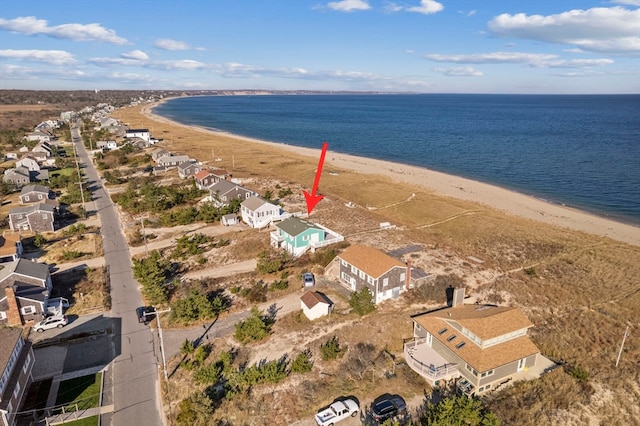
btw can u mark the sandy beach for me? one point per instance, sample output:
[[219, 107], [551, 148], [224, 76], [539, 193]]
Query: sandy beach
[[506, 201]]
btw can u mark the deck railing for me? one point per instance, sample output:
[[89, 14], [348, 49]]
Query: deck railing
[[430, 372]]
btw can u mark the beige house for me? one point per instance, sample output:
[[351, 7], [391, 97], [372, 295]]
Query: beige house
[[482, 347]]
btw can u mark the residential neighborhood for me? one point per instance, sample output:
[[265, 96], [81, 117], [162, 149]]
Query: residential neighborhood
[[247, 297]]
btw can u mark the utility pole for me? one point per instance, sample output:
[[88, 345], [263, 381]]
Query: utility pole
[[144, 234], [626, 333], [164, 362], [75, 154]]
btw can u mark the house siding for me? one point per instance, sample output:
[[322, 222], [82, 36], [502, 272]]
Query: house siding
[[380, 292]]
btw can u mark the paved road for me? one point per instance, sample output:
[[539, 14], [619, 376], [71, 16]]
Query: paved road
[[134, 373]]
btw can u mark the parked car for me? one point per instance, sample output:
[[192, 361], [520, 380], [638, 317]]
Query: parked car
[[145, 313], [339, 410], [387, 407], [51, 322], [308, 280]]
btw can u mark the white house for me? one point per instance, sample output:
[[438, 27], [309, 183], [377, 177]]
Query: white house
[[29, 163], [315, 304], [258, 212], [138, 133], [107, 145]]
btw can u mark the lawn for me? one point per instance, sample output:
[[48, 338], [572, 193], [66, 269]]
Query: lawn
[[67, 172], [87, 421], [84, 391]]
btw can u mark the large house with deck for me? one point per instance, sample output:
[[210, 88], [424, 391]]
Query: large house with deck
[[482, 346], [25, 287], [258, 212]]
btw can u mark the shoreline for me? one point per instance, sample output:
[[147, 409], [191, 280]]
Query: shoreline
[[495, 197]]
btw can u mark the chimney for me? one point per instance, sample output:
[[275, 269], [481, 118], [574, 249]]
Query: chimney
[[407, 279], [13, 313], [458, 297]]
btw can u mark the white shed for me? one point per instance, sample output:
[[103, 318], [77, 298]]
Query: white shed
[[229, 219], [315, 304]]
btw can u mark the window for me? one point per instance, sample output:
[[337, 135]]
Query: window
[[450, 338], [402, 276], [44, 216], [28, 310], [305, 238], [460, 345], [354, 270], [362, 275], [370, 280], [385, 282], [16, 390], [487, 373], [27, 362], [344, 262], [3, 315], [444, 330]]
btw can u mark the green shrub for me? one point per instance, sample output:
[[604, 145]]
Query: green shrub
[[256, 327], [362, 301], [331, 349], [302, 363]]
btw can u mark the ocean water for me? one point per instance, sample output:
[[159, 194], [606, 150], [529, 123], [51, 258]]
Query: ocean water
[[581, 151]]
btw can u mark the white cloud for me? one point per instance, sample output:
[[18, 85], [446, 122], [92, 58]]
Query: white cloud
[[137, 55], [169, 44], [54, 57], [349, 5], [30, 25], [627, 2], [183, 64], [427, 7], [537, 60], [459, 72], [392, 7], [607, 30]]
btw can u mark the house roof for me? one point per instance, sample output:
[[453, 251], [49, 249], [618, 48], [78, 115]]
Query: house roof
[[137, 130], [253, 203], [31, 292], [312, 298], [26, 268], [295, 226], [485, 321], [46, 207], [202, 174], [223, 187], [9, 337], [370, 260], [34, 188], [185, 165]]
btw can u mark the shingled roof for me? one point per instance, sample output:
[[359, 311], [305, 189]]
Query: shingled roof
[[312, 298], [295, 226], [486, 322], [371, 261]]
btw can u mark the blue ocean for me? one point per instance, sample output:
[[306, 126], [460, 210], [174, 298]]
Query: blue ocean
[[579, 150]]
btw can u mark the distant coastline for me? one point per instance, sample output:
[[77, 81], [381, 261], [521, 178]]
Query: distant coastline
[[495, 197]]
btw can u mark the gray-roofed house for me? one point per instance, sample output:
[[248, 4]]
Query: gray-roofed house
[[16, 365], [34, 194], [258, 212], [25, 287], [229, 219], [297, 236], [158, 152], [36, 218], [18, 176], [366, 267], [138, 133], [188, 169], [224, 191], [171, 160], [484, 346]]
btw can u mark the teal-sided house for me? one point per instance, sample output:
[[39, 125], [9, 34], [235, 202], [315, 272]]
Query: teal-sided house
[[298, 235]]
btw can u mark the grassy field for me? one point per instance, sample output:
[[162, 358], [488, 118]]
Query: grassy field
[[580, 290], [83, 391]]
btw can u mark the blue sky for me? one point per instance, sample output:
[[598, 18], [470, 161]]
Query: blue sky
[[526, 46]]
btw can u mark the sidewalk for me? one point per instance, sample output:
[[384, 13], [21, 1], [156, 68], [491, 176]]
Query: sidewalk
[[80, 414]]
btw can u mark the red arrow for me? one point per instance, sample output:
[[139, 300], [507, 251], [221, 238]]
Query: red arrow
[[312, 199]]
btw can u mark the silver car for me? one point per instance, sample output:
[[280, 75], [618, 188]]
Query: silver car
[[51, 322]]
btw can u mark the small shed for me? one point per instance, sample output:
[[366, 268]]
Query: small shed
[[229, 219], [315, 304]]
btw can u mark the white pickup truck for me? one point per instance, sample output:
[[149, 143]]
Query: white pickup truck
[[337, 411]]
